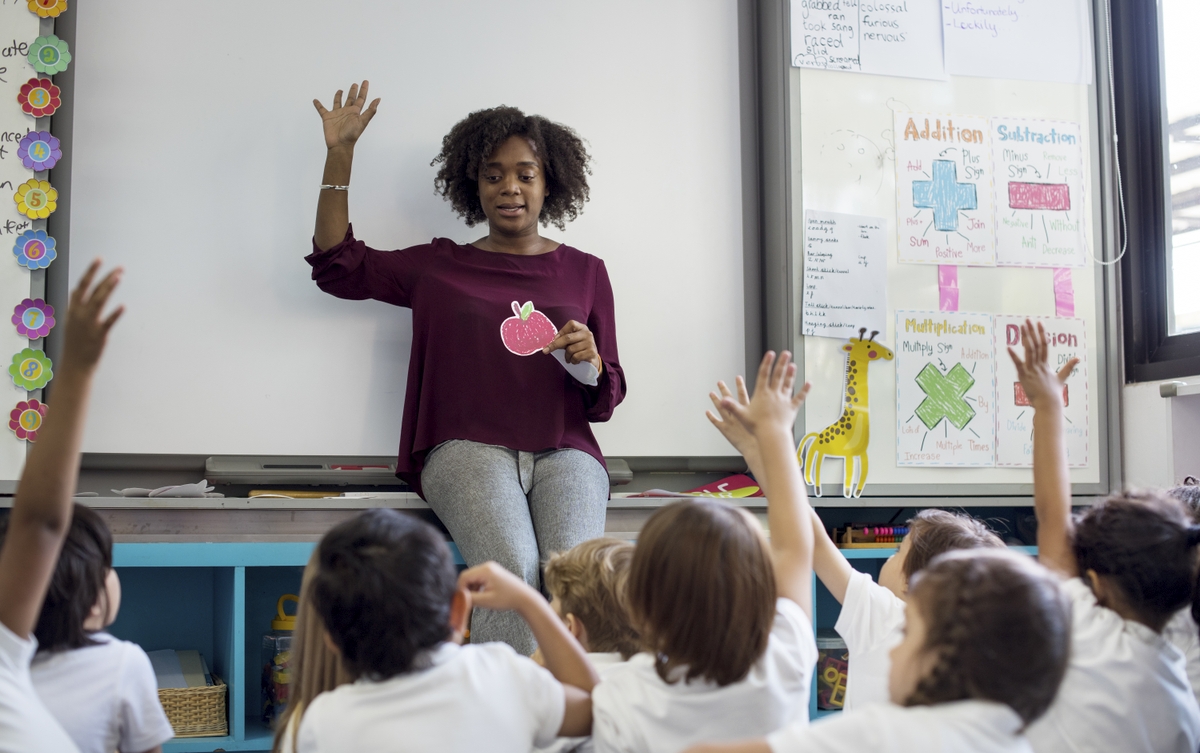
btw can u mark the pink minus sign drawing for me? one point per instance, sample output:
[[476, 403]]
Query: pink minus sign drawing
[[1054, 196]]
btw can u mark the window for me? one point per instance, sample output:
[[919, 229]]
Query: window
[[1181, 111]]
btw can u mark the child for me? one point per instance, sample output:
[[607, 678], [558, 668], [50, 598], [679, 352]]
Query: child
[[985, 647], [386, 592], [725, 616], [872, 617], [41, 517], [1182, 631], [100, 689], [1130, 565], [587, 586]]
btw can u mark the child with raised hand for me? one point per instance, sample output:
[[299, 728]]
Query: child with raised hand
[[871, 621], [985, 646], [100, 689], [41, 517], [725, 616], [1129, 565], [395, 612]]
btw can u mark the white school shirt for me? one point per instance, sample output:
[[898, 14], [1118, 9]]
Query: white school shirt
[[601, 661], [871, 624], [1126, 688], [1183, 633], [105, 696], [957, 727], [25, 724], [479, 697], [634, 711]]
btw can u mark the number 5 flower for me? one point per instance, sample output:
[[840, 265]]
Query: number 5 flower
[[36, 199]]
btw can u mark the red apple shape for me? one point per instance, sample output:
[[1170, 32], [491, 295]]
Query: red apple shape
[[527, 332]]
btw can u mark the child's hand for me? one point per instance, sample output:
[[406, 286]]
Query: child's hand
[[729, 426], [493, 587], [1042, 385], [773, 406], [86, 330]]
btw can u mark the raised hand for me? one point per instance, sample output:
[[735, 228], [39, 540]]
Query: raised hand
[[1043, 386], [728, 424], [86, 327], [773, 405], [345, 123]]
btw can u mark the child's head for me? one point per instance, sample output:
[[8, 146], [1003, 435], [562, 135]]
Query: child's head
[[386, 590], [1137, 549], [85, 593], [930, 533], [1189, 494], [587, 587], [985, 625], [702, 591]]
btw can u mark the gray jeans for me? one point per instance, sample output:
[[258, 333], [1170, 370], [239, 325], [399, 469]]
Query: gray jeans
[[515, 508]]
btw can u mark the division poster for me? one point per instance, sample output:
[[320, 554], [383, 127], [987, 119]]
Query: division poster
[[945, 389], [1014, 425], [1039, 193], [944, 189]]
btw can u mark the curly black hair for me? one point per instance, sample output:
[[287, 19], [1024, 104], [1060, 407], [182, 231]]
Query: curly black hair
[[565, 162]]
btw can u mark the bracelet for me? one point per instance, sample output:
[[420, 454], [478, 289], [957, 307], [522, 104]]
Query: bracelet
[[325, 186]]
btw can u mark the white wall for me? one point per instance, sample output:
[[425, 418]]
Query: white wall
[[1160, 436]]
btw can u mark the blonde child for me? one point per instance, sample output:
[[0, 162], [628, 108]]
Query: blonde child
[[41, 518], [386, 592], [985, 647], [100, 689], [724, 615], [872, 616], [1129, 565]]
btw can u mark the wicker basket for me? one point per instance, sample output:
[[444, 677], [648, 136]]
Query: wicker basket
[[196, 712]]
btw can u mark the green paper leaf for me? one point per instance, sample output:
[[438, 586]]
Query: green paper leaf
[[526, 310]]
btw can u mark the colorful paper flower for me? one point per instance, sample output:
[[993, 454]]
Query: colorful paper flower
[[39, 97], [39, 150], [49, 55], [34, 249], [31, 369], [34, 318], [48, 8], [26, 419], [36, 199]]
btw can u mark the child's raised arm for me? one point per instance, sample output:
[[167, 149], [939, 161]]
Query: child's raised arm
[[493, 587], [831, 565], [1051, 481], [769, 417], [41, 511]]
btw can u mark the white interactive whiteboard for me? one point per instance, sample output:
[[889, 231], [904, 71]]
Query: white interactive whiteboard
[[196, 158]]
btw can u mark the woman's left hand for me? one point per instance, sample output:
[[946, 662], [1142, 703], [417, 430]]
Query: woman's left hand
[[579, 345]]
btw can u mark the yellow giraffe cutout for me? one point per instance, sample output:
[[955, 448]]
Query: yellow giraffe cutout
[[847, 437]]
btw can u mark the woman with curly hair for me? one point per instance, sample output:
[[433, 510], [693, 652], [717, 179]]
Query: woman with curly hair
[[514, 346]]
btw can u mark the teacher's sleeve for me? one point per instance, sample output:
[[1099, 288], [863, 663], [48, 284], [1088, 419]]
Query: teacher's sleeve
[[355, 271], [608, 394]]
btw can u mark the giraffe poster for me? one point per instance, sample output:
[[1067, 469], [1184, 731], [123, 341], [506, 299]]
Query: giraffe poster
[[945, 389], [1039, 193], [1014, 424], [944, 189]]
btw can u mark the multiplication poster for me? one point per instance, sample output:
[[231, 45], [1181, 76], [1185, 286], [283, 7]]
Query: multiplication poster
[[1039, 193], [1014, 424], [944, 189], [945, 389]]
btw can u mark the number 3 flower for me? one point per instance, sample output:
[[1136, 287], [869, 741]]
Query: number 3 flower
[[36, 199], [39, 98]]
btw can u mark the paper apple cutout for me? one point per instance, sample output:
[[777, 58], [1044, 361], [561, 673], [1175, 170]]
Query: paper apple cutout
[[527, 332]]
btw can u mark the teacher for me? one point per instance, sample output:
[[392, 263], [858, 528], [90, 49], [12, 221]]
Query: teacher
[[495, 434]]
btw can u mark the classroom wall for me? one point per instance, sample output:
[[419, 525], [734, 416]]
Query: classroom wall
[[1160, 436]]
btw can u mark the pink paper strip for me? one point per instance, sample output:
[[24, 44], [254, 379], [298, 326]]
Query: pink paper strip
[[1053, 196], [1064, 292], [947, 287]]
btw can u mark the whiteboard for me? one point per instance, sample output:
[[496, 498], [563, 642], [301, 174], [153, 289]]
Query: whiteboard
[[843, 161], [197, 154]]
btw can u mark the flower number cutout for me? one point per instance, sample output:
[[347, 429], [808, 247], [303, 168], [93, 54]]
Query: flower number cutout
[[26, 419], [48, 8], [39, 97], [31, 369], [34, 318], [36, 199], [34, 249], [39, 150], [49, 55]]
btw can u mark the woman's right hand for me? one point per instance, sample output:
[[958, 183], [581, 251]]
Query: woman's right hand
[[345, 123]]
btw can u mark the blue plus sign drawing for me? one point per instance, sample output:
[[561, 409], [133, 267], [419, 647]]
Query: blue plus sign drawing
[[944, 195]]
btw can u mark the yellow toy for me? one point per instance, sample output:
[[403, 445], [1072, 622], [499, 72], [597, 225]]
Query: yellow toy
[[847, 437]]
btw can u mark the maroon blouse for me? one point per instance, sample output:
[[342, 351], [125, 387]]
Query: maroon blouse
[[465, 379]]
